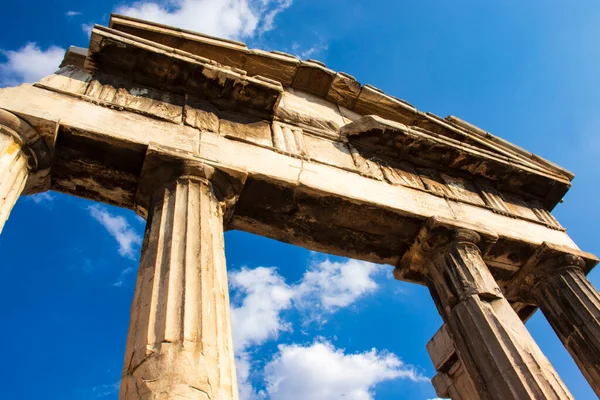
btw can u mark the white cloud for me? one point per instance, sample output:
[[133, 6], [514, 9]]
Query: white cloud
[[293, 372], [269, 15], [225, 18], [243, 368], [29, 64], [324, 288], [72, 13], [332, 285], [119, 228], [257, 319], [42, 198]]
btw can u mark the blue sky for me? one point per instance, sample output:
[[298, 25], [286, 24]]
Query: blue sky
[[306, 325]]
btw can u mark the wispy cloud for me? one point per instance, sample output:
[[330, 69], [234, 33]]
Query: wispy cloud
[[121, 278], [311, 51], [29, 64], [226, 18], [118, 227], [87, 28], [44, 198], [269, 13], [106, 389], [72, 13]]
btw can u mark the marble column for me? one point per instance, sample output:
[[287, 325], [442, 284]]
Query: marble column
[[498, 353], [22, 151], [555, 281], [180, 344]]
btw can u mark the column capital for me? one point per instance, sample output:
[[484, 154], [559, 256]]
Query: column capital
[[437, 235], [32, 144], [164, 165], [547, 261]]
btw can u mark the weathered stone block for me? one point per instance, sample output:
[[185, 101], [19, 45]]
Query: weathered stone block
[[201, 114], [329, 152], [67, 79], [344, 90], [245, 128]]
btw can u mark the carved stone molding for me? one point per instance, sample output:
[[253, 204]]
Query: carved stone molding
[[434, 235], [31, 143], [479, 319], [164, 165], [23, 153], [548, 261]]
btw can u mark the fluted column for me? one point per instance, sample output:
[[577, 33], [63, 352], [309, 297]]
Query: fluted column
[[555, 281], [22, 151], [497, 351], [180, 344]]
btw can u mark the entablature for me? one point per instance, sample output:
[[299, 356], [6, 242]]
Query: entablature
[[546, 181], [315, 177]]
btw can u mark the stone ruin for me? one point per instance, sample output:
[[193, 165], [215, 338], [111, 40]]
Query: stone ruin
[[199, 135]]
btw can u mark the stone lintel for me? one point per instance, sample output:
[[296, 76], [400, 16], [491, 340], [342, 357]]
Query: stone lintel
[[435, 232], [546, 258], [374, 221], [164, 164]]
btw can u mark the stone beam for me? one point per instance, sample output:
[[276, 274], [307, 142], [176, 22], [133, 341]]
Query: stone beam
[[179, 342], [479, 319], [100, 152], [554, 280]]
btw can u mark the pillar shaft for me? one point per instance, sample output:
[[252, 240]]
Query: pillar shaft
[[180, 344], [497, 351], [572, 307], [13, 175]]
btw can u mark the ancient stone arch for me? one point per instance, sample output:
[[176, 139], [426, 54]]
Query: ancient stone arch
[[199, 134]]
